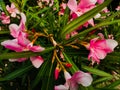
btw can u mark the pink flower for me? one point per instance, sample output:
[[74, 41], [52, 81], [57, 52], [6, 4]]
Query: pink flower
[[15, 29], [72, 82], [23, 44], [62, 8], [118, 8], [99, 48], [81, 8], [5, 19], [12, 10]]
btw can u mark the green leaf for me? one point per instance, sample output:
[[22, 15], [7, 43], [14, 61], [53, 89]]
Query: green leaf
[[102, 79], [40, 74], [4, 32], [104, 76], [114, 84], [13, 55], [16, 73], [82, 19], [23, 4], [2, 4], [96, 71], [104, 23], [47, 81]]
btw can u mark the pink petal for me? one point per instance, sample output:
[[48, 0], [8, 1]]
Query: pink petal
[[111, 44], [100, 1], [12, 5], [14, 30], [97, 16], [37, 61], [6, 20], [18, 60], [91, 22], [7, 7], [22, 40], [101, 54], [67, 75], [85, 80], [13, 14], [36, 48], [22, 26], [82, 78], [23, 18], [72, 4], [93, 57], [101, 35], [86, 3], [61, 87], [12, 45]]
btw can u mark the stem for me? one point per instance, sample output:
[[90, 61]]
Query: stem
[[60, 63]]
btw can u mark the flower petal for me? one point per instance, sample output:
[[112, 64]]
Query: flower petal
[[61, 87], [18, 60], [83, 78], [72, 4], [37, 61], [12, 45], [100, 1], [22, 40], [67, 75], [111, 44], [36, 48], [86, 3], [14, 30], [23, 18]]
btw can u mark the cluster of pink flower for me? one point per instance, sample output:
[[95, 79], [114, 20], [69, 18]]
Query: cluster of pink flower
[[99, 47], [20, 42], [12, 10]]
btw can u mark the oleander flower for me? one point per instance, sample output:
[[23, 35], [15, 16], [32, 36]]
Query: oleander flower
[[72, 82], [118, 8], [81, 8], [62, 8], [4, 18], [99, 48], [21, 44], [12, 10], [15, 29]]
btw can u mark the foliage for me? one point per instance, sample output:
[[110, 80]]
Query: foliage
[[49, 30]]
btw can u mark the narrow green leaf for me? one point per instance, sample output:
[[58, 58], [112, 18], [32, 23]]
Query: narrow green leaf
[[16, 73], [104, 23], [85, 88], [114, 84], [24, 54], [82, 19], [74, 67], [105, 89], [96, 71], [102, 79], [49, 78], [4, 32], [40, 74], [2, 4], [23, 4]]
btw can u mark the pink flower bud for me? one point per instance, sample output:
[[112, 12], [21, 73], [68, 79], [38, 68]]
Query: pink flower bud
[[57, 71]]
